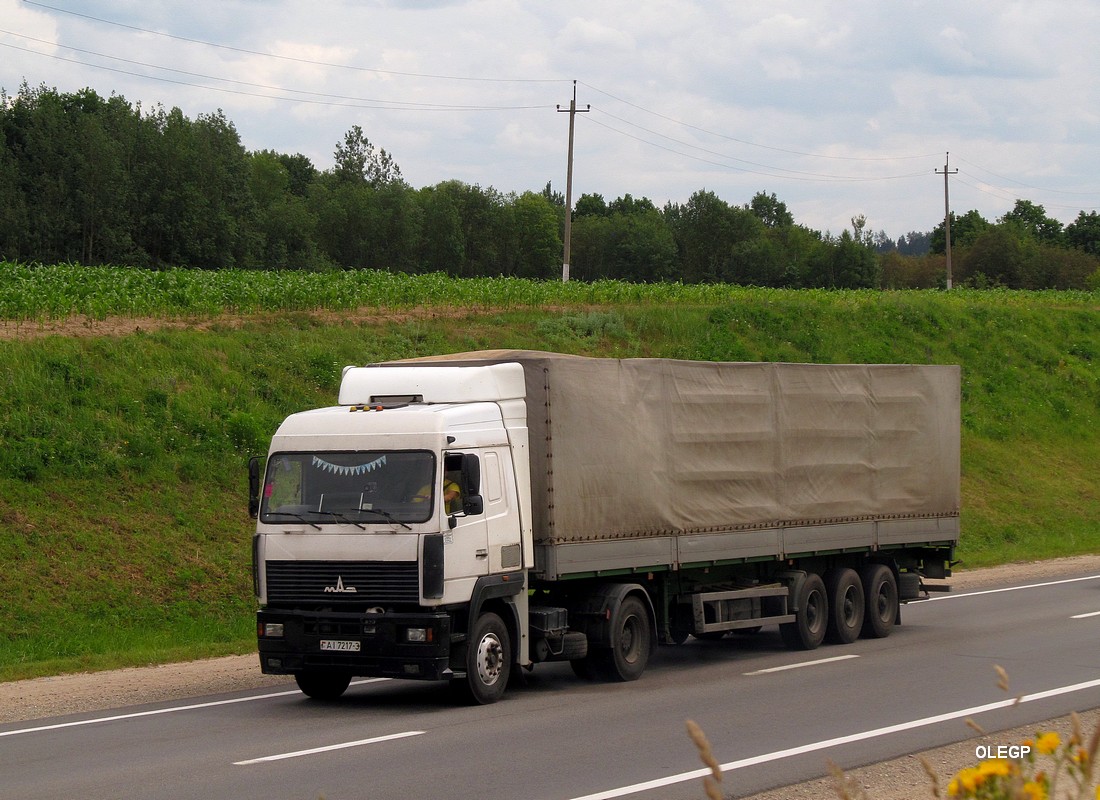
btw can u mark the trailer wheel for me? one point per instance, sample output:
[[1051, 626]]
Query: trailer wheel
[[812, 617], [488, 660], [631, 639], [322, 685], [881, 591], [846, 604]]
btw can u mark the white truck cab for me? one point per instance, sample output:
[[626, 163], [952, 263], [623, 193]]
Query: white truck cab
[[360, 537]]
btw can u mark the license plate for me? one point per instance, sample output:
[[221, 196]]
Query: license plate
[[340, 645]]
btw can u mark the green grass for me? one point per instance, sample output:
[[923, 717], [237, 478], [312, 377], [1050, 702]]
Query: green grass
[[124, 537]]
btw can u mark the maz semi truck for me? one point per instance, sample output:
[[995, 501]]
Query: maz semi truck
[[458, 517]]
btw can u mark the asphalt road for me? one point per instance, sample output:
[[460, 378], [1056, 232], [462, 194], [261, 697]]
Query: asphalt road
[[773, 717]]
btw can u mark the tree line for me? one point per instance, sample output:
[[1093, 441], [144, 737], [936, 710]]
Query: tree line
[[94, 180]]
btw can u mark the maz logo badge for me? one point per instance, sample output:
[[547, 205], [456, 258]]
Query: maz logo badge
[[339, 588]]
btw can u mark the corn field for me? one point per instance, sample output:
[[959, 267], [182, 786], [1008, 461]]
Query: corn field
[[40, 292], [34, 292]]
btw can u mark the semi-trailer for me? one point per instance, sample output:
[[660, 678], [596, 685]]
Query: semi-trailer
[[463, 516]]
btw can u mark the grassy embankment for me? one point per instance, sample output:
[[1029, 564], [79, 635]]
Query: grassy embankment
[[123, 532]]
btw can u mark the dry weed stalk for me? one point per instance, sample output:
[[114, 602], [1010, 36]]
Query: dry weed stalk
[[712, 782], [932, 776], [846, 788], [972, 724]]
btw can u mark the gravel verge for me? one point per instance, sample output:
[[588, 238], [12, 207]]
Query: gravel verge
[[900, 779]]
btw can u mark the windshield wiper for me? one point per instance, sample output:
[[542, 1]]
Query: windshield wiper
[[292, 514], [390, 517], [340, 516]]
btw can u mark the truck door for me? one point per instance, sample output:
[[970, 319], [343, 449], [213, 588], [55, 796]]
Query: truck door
[[466, 545]]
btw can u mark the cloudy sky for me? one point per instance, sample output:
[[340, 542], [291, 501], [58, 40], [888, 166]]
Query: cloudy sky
[[839, 109]]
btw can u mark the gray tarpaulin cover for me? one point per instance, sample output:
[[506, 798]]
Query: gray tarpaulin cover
[[652, 447]]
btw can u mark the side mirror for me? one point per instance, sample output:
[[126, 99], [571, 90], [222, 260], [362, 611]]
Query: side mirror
[[470, 470], [472, 502], [253, 486]]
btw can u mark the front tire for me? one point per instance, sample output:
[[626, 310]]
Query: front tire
[[323, 685], [488, 660]]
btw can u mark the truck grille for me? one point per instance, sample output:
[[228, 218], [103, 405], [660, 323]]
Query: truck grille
[[342, 582]]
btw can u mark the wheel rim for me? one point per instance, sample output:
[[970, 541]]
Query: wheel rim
[[490, 661], [850, 606], [630, 643], [815, 617], [884, 602]]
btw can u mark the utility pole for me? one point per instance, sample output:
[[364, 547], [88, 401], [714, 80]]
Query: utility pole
[[569, 183], [947, 212]]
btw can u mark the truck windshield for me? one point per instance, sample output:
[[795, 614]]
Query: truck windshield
[[361, 488]]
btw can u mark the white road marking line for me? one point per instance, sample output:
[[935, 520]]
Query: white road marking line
[[1007, 589], [800, 665], [158, 711], [1083, 616], [329, 748], [839, 740]]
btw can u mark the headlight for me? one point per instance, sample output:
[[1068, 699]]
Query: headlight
[[273, 630], [418, 635]]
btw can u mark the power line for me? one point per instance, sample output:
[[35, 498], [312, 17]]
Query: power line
[[765, 169], [1024, 185], [295, 59], [353, 102], [1008, 195], [748, 143]]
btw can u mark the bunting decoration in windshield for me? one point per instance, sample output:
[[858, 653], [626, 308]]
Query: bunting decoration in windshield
[[359, 469]]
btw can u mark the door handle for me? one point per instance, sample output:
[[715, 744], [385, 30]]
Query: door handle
[[481, 553]]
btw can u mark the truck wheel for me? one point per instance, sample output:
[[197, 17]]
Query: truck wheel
[[322, 685], [812, 617], [488, 659], [881, 591], [846, 604], [631, 643]]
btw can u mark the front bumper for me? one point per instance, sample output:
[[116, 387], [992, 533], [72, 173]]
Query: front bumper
[[384, 649]]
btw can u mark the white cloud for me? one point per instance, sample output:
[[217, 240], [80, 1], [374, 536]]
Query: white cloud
[[953, 45], [584, 34]]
